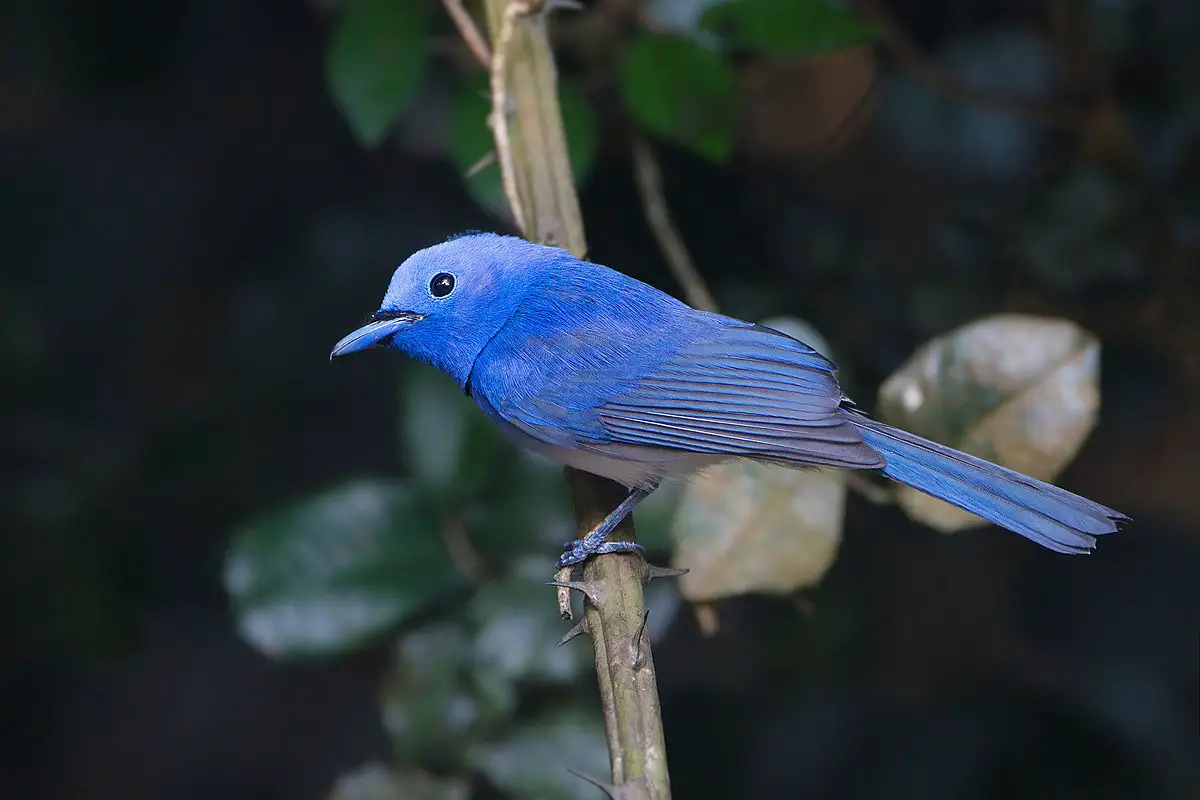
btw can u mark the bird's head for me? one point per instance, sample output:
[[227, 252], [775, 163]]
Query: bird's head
[[444, 303]]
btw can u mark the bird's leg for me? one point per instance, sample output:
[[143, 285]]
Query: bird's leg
[[594, 544]]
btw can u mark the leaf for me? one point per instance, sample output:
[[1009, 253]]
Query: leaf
[[680, 90], [379, 782], [432, 708], [748, 527], [526, 509], [452, 447], [787, 27], [533, 759], [331, 573], [519, 629], [375, 63], [472, 141], [674, 16], [1021, 391]]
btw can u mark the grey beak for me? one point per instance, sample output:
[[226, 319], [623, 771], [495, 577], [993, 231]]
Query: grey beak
[[375, 332]]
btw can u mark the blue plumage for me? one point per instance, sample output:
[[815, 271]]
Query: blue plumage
[[607, 374]]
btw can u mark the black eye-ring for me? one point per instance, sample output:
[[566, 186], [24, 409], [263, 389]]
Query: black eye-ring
[[442, 284]]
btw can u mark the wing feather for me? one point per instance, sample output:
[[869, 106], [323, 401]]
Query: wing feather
[[613, 373], [748, 391]]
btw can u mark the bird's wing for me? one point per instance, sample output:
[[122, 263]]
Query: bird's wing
[[720, 387], [745, 391]]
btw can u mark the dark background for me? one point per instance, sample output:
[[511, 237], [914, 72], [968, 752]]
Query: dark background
[[187, 226]]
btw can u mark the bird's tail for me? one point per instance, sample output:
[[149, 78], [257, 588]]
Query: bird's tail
[[1050, 516]]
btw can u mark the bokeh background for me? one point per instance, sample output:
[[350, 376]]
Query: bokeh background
[[189, 222]]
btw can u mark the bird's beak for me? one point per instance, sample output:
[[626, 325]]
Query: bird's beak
[[383, 325]]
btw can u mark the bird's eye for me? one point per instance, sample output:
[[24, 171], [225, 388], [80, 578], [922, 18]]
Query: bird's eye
[[442, 284]]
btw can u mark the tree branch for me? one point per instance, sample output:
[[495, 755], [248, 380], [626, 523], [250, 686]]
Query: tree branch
[[654, 204], [469, 32], [531, 148]]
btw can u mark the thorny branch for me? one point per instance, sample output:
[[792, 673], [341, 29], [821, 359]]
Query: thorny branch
[[499, 116], [526, 124]]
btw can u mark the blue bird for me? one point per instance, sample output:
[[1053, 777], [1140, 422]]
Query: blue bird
[[602, 372]]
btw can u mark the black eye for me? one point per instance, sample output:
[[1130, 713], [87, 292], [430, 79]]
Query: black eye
[[442, 284]]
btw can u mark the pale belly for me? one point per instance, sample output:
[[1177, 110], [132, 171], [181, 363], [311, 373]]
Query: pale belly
[[632, 466]]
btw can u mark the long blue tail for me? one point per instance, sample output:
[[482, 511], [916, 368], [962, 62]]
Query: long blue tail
[[1050, 516]]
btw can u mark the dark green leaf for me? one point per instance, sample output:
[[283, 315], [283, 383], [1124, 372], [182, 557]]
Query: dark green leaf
[[579, 126], [375, 63], [472, 141], [787, 27], [379, 782], [331, 573], [431, 707], [532, 760], [530, 512], [682, 91], [451, 446], [519, 628]]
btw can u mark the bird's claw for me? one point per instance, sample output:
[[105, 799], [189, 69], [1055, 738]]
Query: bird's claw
[[578, 551]]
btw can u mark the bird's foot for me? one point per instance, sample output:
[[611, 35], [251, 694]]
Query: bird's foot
[[595, 542], [581, 550]]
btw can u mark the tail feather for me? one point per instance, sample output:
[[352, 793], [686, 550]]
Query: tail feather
[[1049, 515]]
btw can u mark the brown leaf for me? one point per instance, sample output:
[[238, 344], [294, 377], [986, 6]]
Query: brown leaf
[[1018, 390], [749, 527]]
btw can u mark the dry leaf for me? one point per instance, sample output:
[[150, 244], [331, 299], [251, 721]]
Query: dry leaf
[[1017, 390], [749, 527]]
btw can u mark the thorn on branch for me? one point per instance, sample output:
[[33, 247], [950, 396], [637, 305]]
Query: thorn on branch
[[488, 159], [655, 572], [607, 788], [592, 591], [578, 629], [639, 652], [630, 790]]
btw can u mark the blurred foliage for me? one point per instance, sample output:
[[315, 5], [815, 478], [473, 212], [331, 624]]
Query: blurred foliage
[[786, 27], [379, 782], [336, 570], [449, 550], [375, 63], [449, 560], [682, 91], [984, 141]]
